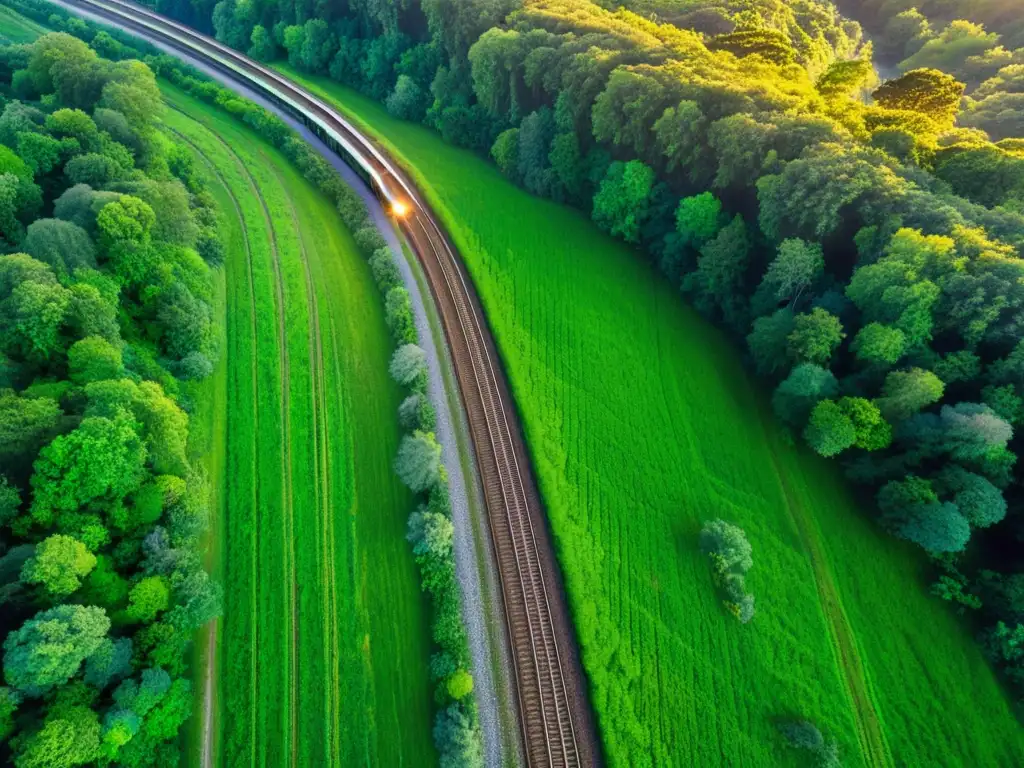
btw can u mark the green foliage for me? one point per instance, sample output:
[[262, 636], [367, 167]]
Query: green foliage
[[622, 201], [59, 565], [928, 91], [83, 425], [94, 359], [408, 364], [147, 599], [815, 336], [806, 385], [48, 649], [418, 462], [830, 431]]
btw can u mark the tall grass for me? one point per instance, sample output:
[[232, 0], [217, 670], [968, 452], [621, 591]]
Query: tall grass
[[642, 424]]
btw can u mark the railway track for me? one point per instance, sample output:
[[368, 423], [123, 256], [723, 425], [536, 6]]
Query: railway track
[[554, 719]]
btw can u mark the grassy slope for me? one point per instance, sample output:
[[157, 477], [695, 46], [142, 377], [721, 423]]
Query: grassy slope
[[643, 424], [308, 539], [15, 28]]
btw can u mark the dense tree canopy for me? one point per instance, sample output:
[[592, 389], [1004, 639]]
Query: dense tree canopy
[[100, 508]]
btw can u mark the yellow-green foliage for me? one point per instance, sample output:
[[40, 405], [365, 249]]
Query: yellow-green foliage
[[642, 425]]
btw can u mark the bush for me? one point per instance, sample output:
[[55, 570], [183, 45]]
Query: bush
[[731, 557], [408, 364], [398, 316], [385, 273], [418, 461]]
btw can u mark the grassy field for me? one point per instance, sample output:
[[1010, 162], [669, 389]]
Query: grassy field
[[642, 425], [323, 648], [15, 28]]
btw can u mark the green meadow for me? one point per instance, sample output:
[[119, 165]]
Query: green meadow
[[322, 651], [642, 425]]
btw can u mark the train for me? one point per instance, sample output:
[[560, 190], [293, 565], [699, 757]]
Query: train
[[362, 156]]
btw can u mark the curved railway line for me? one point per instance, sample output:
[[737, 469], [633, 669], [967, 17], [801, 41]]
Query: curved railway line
[[555, 719]]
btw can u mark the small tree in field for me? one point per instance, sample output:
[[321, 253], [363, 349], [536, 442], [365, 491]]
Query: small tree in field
[[731, 557]]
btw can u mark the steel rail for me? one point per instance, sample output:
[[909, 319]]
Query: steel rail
[[545, 703]]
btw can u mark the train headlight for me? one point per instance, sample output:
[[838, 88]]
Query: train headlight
[[399, 209]]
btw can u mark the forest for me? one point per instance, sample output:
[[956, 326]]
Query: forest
[[859, 235], [105, 333]]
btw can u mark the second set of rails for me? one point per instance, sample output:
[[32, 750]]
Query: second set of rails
[[549, 696]]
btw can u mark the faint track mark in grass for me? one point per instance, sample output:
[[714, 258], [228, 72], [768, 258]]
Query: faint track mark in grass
[[286, 463], [321, 468], [874, 749], [207, 750]]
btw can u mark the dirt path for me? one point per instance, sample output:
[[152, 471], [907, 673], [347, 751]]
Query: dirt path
[[321, 469], [209, 699], [870, 737]]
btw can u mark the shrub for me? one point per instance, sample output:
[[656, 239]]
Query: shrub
[[418, 461], [408, 364], [731, 557]]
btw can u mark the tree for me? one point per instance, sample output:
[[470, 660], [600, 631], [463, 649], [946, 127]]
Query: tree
[[408, 100], [59, 565], [74, 124], [93, 169], [456, 738], [147, 599], [133, 92], [815, 336], [623, 200], [63, 65], [796, 396], [795, 269], [928, 91], [729, 544], [721, 268], [263, 47], [98, 463], [459, 685], [31, 319], [830, 431], [907, 392], [977, 499], [769, 341], [70, 736], [25, 424], [408, 364], [40, 152], [126, 221], [878, 344], [111, 661], [94, 359], [680, 135], [48, 649], [872, 431], [61, 244], [505, 153], [912, 509], [698, 219], [418, 463]]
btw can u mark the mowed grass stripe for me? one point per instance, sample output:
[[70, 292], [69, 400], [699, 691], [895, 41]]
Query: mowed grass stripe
[[265, 646], [243, 479], [642, 424], [323, 522], [364, 649]]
